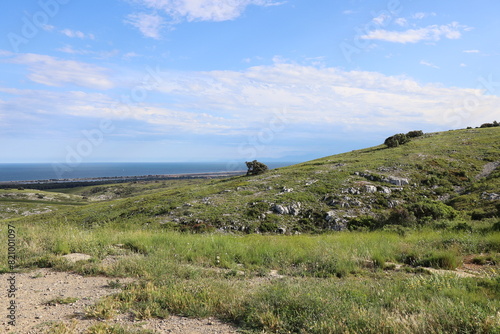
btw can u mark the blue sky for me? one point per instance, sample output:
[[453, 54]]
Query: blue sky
[[237, 80]]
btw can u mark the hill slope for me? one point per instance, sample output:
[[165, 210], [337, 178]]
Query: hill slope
[[443, 175]]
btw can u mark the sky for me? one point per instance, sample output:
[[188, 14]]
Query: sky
[[238, 80]]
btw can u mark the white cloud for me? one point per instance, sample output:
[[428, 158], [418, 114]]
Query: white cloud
[[426, 63], [205, 10], [76, 34], [130, 55], [422, 15], [400, 21], [230, 103], [430, 33], [47, 27], [319, 97], [52, 71], [97, 54], [463, 65], [381, 19], [150, 25], [471, 51]]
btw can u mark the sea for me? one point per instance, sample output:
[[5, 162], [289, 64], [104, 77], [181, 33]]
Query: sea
[[47, 171]]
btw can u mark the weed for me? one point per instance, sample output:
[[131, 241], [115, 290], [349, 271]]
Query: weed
[[61, 301]]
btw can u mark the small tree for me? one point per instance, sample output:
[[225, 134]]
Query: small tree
[[256, 168], [414, 134], [396, 140]]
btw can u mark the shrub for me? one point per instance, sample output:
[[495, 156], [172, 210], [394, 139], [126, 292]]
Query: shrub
[[414, 134], [256, 168], [396, 140], [432, 209], [400, 216], [490, 125], [496, 226], [463, 227], [441, 260], [363, 223]]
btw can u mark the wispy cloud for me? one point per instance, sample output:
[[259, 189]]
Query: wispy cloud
[[430, 33], [471, 51], [96, 54], [381, 19], [51, 71], [47, 27], [348, 12], [236, 103], [150, 25], [400, 21], [422, 15], [76, 34], [426, 63], [205, 10]]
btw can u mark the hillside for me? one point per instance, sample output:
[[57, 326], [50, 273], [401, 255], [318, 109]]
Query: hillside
[[439, 176], [421, 255]]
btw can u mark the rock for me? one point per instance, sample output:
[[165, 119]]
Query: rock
[[286, 190], [339, 225], [490, 197], [294, 209], [335, 223], [282, 230], [351, 190], [370, 189], [280, 209], [330, 216], [355, 202], [385, 190], [397, 181], [75, 257], [392, 204]]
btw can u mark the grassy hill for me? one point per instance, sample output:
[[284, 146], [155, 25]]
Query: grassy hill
[[403, 240], [441, 176]]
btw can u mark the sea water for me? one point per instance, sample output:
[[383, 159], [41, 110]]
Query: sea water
[[47, 171]]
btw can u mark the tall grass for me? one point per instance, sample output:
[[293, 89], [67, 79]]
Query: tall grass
[[332, 283], [419, 304]]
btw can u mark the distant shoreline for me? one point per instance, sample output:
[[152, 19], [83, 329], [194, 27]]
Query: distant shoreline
[[68, 183]]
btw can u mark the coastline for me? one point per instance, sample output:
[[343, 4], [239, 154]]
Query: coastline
[[67, 183]]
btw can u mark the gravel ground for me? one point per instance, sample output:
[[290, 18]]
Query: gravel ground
[[34, 315]]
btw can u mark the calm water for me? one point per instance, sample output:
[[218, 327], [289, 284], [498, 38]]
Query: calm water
[[43, 171]]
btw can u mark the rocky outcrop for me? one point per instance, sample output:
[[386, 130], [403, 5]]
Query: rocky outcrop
[[293, 209], [335, 223], [370, 189], [490, 196], [397, 181]]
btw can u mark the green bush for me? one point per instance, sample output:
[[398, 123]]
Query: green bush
[[363, 223], [440, 260], [256, 168], [490, 125], [396, 140], [414, 134], [432, 209], [400, 216]]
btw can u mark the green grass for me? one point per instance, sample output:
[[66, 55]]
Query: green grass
[[194, 248]]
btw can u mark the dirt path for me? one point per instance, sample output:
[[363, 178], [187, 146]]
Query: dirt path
[[34, 315]]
